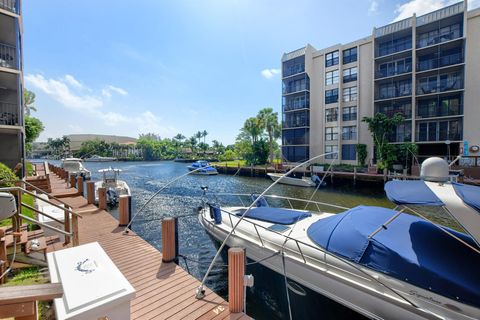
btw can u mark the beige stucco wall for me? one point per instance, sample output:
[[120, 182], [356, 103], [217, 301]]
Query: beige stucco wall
[[471, 122]]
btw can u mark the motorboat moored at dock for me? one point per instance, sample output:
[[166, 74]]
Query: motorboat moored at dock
[[75, 167], [115, 187], [382, 263], [202, 167], [97, 158], [299, 182]]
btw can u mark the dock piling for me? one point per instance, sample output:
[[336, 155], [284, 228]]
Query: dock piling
[[236, 272], [123, 210], [73, 181], [169, 241], [102, 198], [80, 185], [91, 192]]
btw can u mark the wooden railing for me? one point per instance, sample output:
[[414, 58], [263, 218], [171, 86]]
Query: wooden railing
[[70, 222]]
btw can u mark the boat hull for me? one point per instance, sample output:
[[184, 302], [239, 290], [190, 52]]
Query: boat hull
[[298, 182]]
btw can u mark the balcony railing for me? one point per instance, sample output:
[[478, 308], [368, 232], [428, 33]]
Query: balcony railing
[[7, 56], [439, 38], [9, 114], [443, 61], [393, 93], [295, 106], [389, 72], [295, 88], [295, 123], [442, 86], [10, 5], [438, 111], [295, 69]]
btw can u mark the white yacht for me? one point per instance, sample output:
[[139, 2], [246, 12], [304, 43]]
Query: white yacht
[[97, 158], [313, 181], [382, 263], [75, 166], [115, 187]]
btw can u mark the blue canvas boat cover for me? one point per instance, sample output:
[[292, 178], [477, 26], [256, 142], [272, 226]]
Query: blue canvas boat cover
[[411, 249], [411, 192], [276, 215], [469, 194]]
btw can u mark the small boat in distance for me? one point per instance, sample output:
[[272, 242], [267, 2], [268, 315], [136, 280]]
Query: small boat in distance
[[97, 158], [75, 167], [299, 182], [206, 168], [115, 187]]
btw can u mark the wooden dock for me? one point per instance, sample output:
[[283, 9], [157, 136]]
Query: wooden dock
[[163, 290]]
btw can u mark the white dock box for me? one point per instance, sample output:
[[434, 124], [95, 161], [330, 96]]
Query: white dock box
[[93, 286]]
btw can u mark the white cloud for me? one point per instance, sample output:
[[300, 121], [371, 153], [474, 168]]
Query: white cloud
[[107, 91], [73, 82], [373, 6], [421, 7], [60, 91], [69, 92], [270, 73]]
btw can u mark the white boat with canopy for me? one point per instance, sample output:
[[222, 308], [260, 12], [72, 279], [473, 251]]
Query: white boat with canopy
[[75, 167], [383, 263], [115, 187]]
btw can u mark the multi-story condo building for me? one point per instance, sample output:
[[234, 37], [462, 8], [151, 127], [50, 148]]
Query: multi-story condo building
[[426, 68], [11, 84]]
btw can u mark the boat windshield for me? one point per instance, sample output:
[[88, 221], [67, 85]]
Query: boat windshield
[[72, 166]]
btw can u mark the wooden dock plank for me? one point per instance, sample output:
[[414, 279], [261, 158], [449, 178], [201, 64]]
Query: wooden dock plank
[[164, 290]]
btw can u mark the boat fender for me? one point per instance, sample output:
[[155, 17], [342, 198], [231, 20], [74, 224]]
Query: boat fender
[[215, 213]]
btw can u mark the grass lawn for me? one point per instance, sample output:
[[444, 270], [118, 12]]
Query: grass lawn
[[29, 167], [27, 199]]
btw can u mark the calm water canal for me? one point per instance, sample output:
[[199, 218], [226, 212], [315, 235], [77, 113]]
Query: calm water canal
[[267, 298]]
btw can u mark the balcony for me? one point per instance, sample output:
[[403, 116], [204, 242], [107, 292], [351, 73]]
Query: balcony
[[442, 61], [8, 56], [439, 36], [394, 90], [9, 114], [296, 120], [393, 71], [429, 87], [295, 88], [394, 46], [293, 70], [9, 5]]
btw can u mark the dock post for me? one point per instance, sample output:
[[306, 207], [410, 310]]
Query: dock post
[[102, 198], [123, 210], [354, 175], [91, 192], [65, 175], [80, 185], [169, 250], [3, 255], [236, 272], [73, 180]]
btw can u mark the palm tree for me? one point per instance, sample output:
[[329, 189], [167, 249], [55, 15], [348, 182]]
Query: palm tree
[[29, 101], [269, 122], [204, 135], [192, 142], [177, 141], [252, 128], [198, 135]]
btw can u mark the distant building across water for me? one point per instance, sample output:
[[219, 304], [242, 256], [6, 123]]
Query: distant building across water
[[76, 140]]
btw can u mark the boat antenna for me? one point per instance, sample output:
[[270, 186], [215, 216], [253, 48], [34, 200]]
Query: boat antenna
[[125, 231], [200, 292]]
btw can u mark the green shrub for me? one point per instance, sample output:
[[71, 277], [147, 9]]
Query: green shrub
[[6, 174], [362, 153]]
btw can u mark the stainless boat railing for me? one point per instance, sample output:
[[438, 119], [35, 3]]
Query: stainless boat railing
[[313, 247]]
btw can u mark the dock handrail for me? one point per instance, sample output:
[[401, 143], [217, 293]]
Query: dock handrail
[[37, 189], [70, 232]]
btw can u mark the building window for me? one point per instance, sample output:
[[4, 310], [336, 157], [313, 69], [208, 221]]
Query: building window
[[331, 77], [295, 136], [349, 133], [331, 133], [295, 154], [350, 55], [330, 149], [350, 74], [350, 94], [440, 130], [396, 45], [331, 96], [331, 59], [349, 113], [331, 115], [349, 152], [439, 35], [391, 108]]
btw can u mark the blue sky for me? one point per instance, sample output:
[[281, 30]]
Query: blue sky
[[179, 66]]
